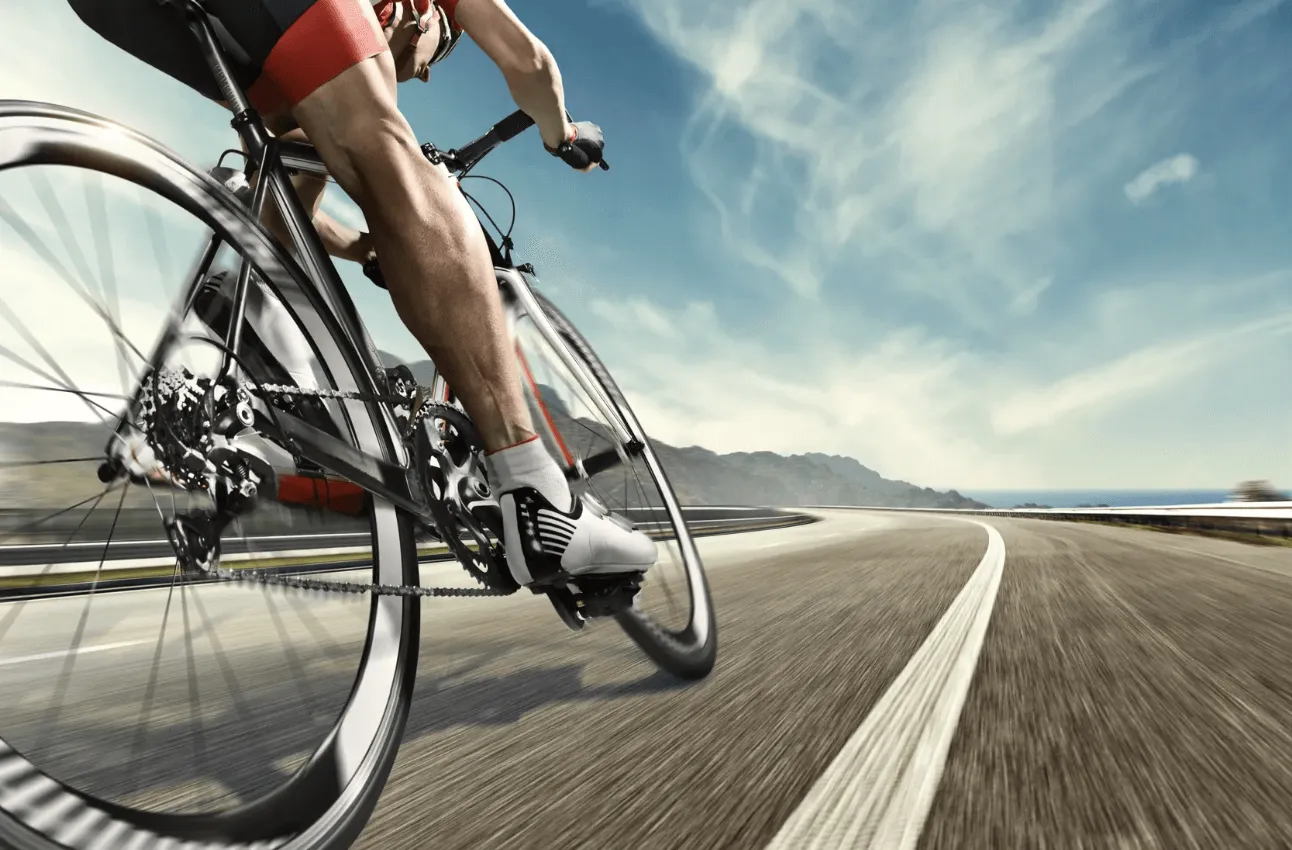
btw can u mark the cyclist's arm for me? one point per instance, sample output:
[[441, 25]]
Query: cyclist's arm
[[526, 64]]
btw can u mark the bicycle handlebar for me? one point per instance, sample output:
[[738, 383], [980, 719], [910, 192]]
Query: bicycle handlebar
[[504, 131]]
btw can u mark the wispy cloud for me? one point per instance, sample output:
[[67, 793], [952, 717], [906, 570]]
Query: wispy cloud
[[1180, 168], [937, 177], [1121, 381], [923, 144]]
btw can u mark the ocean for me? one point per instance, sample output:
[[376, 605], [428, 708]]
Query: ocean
[[1112, 498]]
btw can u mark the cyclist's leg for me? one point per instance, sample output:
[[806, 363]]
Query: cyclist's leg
[[441, 279], [433, 257]]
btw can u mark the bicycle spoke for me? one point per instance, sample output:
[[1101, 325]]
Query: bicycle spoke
[[94, 406], [58, 513], [17, 464], [317, 629], [17, 385], [62, 226], [309, 700], [94, 203], [669, 546], [194, 694], [230, 678], [51, 719], [12, 616], [29, 236], [161, 251], [20, 326], [150, 691], [54, 210]]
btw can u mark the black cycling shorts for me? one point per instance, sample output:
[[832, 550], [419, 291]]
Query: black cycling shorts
[[280, 50]]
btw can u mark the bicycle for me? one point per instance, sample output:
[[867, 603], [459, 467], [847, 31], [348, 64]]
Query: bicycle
[[408, 446]]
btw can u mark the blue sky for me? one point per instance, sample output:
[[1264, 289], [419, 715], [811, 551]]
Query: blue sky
[[1037, 245]]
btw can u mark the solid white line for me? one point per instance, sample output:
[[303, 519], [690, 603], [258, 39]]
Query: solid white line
[[62, 653], [878, 790]]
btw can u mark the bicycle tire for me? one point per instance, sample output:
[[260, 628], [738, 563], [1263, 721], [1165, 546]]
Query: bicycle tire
[[690, 652], [328, 801]]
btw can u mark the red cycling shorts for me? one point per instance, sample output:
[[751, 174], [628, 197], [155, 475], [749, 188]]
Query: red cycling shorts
[[280, 50]]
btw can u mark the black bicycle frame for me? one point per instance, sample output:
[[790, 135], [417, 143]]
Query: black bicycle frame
[[385, 479], [272, 160]]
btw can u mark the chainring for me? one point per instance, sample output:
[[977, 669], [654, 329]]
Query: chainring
[[450, 460]]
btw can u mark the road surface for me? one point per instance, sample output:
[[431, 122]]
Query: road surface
[[1130, 689]]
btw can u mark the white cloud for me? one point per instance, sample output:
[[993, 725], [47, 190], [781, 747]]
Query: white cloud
[[931, 157], [1180, 168], [911, 407], [948, 149], [1127, 379]]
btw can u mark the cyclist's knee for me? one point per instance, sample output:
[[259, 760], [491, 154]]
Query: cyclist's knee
[[374, 159]]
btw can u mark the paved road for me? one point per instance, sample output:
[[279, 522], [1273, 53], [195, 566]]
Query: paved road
[[1132, 690]]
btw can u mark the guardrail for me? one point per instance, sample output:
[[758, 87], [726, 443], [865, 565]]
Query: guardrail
[[1264, 519], [21, 581]]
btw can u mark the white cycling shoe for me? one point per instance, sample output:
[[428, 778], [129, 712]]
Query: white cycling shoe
[[546, 545]]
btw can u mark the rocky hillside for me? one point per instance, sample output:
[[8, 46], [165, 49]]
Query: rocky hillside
[[703, 477]]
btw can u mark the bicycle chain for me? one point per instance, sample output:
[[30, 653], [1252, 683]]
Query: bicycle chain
[[250, 576]]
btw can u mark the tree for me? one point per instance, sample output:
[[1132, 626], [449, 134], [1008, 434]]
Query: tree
[[1258, 491]]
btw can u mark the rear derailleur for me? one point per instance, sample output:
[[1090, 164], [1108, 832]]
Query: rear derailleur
[[186, 438], [236, 480]]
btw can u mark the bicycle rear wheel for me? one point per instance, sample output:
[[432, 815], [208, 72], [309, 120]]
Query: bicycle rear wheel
[[679, 634], [246, 750]]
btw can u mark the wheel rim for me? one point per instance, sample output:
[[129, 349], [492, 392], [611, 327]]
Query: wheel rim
[[685, 626], [333, 773]]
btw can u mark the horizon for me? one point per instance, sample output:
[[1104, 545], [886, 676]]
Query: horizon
[[1034, 249]]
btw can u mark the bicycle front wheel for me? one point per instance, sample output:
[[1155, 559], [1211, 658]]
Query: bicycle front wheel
[[183, 713], [672, 619]]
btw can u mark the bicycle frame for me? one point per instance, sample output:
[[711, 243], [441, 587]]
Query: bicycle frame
[[272, 161]]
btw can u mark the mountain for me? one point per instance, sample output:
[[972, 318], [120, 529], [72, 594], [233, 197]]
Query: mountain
[[701, 477]]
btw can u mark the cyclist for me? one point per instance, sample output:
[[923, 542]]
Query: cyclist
[[327, 68]]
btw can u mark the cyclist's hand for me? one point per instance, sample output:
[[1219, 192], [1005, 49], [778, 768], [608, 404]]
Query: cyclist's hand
[[582, 150], [372, 271]]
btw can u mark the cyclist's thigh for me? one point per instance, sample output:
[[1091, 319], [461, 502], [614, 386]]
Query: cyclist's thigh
[[158, 35]]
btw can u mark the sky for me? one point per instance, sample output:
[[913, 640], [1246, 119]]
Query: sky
[[972, 245]]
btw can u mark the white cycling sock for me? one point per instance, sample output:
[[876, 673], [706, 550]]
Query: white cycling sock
[[529, 464]]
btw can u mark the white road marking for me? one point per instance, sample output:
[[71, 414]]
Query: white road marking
[[878, 790], [62, 653]]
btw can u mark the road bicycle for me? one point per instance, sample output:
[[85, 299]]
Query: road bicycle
[[212, 403]]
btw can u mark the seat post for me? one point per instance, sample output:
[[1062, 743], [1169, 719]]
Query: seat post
[[245, 120]]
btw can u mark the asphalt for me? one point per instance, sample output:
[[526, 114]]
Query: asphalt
[[1133, 691]]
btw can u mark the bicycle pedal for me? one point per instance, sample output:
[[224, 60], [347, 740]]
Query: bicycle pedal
[[578, 599], [609, 594], [567, 608]]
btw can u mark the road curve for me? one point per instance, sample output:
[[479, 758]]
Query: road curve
[[1131, 691]]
